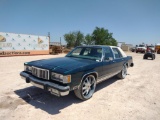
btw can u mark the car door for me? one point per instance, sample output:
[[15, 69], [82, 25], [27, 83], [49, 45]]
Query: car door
[[118, 60], [108, 63]]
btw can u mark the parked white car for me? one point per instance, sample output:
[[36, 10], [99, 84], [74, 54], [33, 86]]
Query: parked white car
[[141, 48]]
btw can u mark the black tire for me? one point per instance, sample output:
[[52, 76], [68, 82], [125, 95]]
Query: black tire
[[86, 88], [123, 72], [152, 57], [144, 57], [136, 52]]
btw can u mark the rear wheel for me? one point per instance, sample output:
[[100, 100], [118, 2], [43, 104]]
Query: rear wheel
[[87, 88], [145, 57], [153, 57], [123, 72]]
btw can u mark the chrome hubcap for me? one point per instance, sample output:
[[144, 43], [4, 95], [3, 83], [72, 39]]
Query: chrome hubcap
[[124, 71], [88, 86]]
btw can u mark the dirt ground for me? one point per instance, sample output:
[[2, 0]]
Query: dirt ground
[[137, 97]]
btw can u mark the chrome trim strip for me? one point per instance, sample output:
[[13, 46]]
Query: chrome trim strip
[[105, 77]]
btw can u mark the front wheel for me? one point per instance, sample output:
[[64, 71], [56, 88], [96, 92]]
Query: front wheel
[[153, 57], [123, 72], [87, 88]]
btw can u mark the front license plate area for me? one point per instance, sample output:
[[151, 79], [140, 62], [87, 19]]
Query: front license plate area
[[37, 85]]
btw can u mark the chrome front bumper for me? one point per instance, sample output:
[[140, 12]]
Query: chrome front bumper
[[54, 88]]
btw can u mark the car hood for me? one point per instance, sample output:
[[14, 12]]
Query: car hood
[[61, 65], [141, 47], [152, 48]]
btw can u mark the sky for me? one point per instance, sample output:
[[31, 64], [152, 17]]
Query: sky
[[130, 21]]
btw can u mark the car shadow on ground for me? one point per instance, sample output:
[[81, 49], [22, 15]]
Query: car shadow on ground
[[106, 83], [45, 101]]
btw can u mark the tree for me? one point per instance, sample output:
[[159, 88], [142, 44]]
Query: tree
[[74, 39], [79, 38], [88, 40], [102, 36], [70, 39]]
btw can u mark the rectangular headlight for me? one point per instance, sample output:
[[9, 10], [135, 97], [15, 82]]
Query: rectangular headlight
[[61, 78], [27, 68]]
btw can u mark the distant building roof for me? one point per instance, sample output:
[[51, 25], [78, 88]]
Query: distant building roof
[[130, 45], [120, 44]]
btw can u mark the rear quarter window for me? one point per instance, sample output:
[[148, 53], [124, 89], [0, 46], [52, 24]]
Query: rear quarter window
[[117, 53]]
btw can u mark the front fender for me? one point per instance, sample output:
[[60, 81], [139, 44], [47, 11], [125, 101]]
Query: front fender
[[89, 72]]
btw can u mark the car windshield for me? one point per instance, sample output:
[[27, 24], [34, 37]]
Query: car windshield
[[141, 45], [151, 46], [86, 53]]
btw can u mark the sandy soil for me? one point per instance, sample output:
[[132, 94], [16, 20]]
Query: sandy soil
[[137, 97]]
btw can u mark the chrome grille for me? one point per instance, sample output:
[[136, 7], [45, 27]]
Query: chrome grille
[[40, 73]]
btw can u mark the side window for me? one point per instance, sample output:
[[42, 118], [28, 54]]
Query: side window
[[87, 51], [108, 53], [117, 53], [99, 50]]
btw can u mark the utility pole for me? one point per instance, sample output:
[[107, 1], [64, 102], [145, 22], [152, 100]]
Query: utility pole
[[49, 37], [49, 42], [60, 41], [60, 45]]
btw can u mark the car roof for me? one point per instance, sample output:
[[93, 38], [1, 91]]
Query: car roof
[[100, 46]]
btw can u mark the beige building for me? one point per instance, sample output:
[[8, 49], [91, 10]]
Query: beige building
[[124, 47]]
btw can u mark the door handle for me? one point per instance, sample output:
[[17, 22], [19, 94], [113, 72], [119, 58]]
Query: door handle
[[114, 61]]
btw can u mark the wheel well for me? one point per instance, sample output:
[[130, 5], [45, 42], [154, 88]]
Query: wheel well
[[94, 74], [126, 64]]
